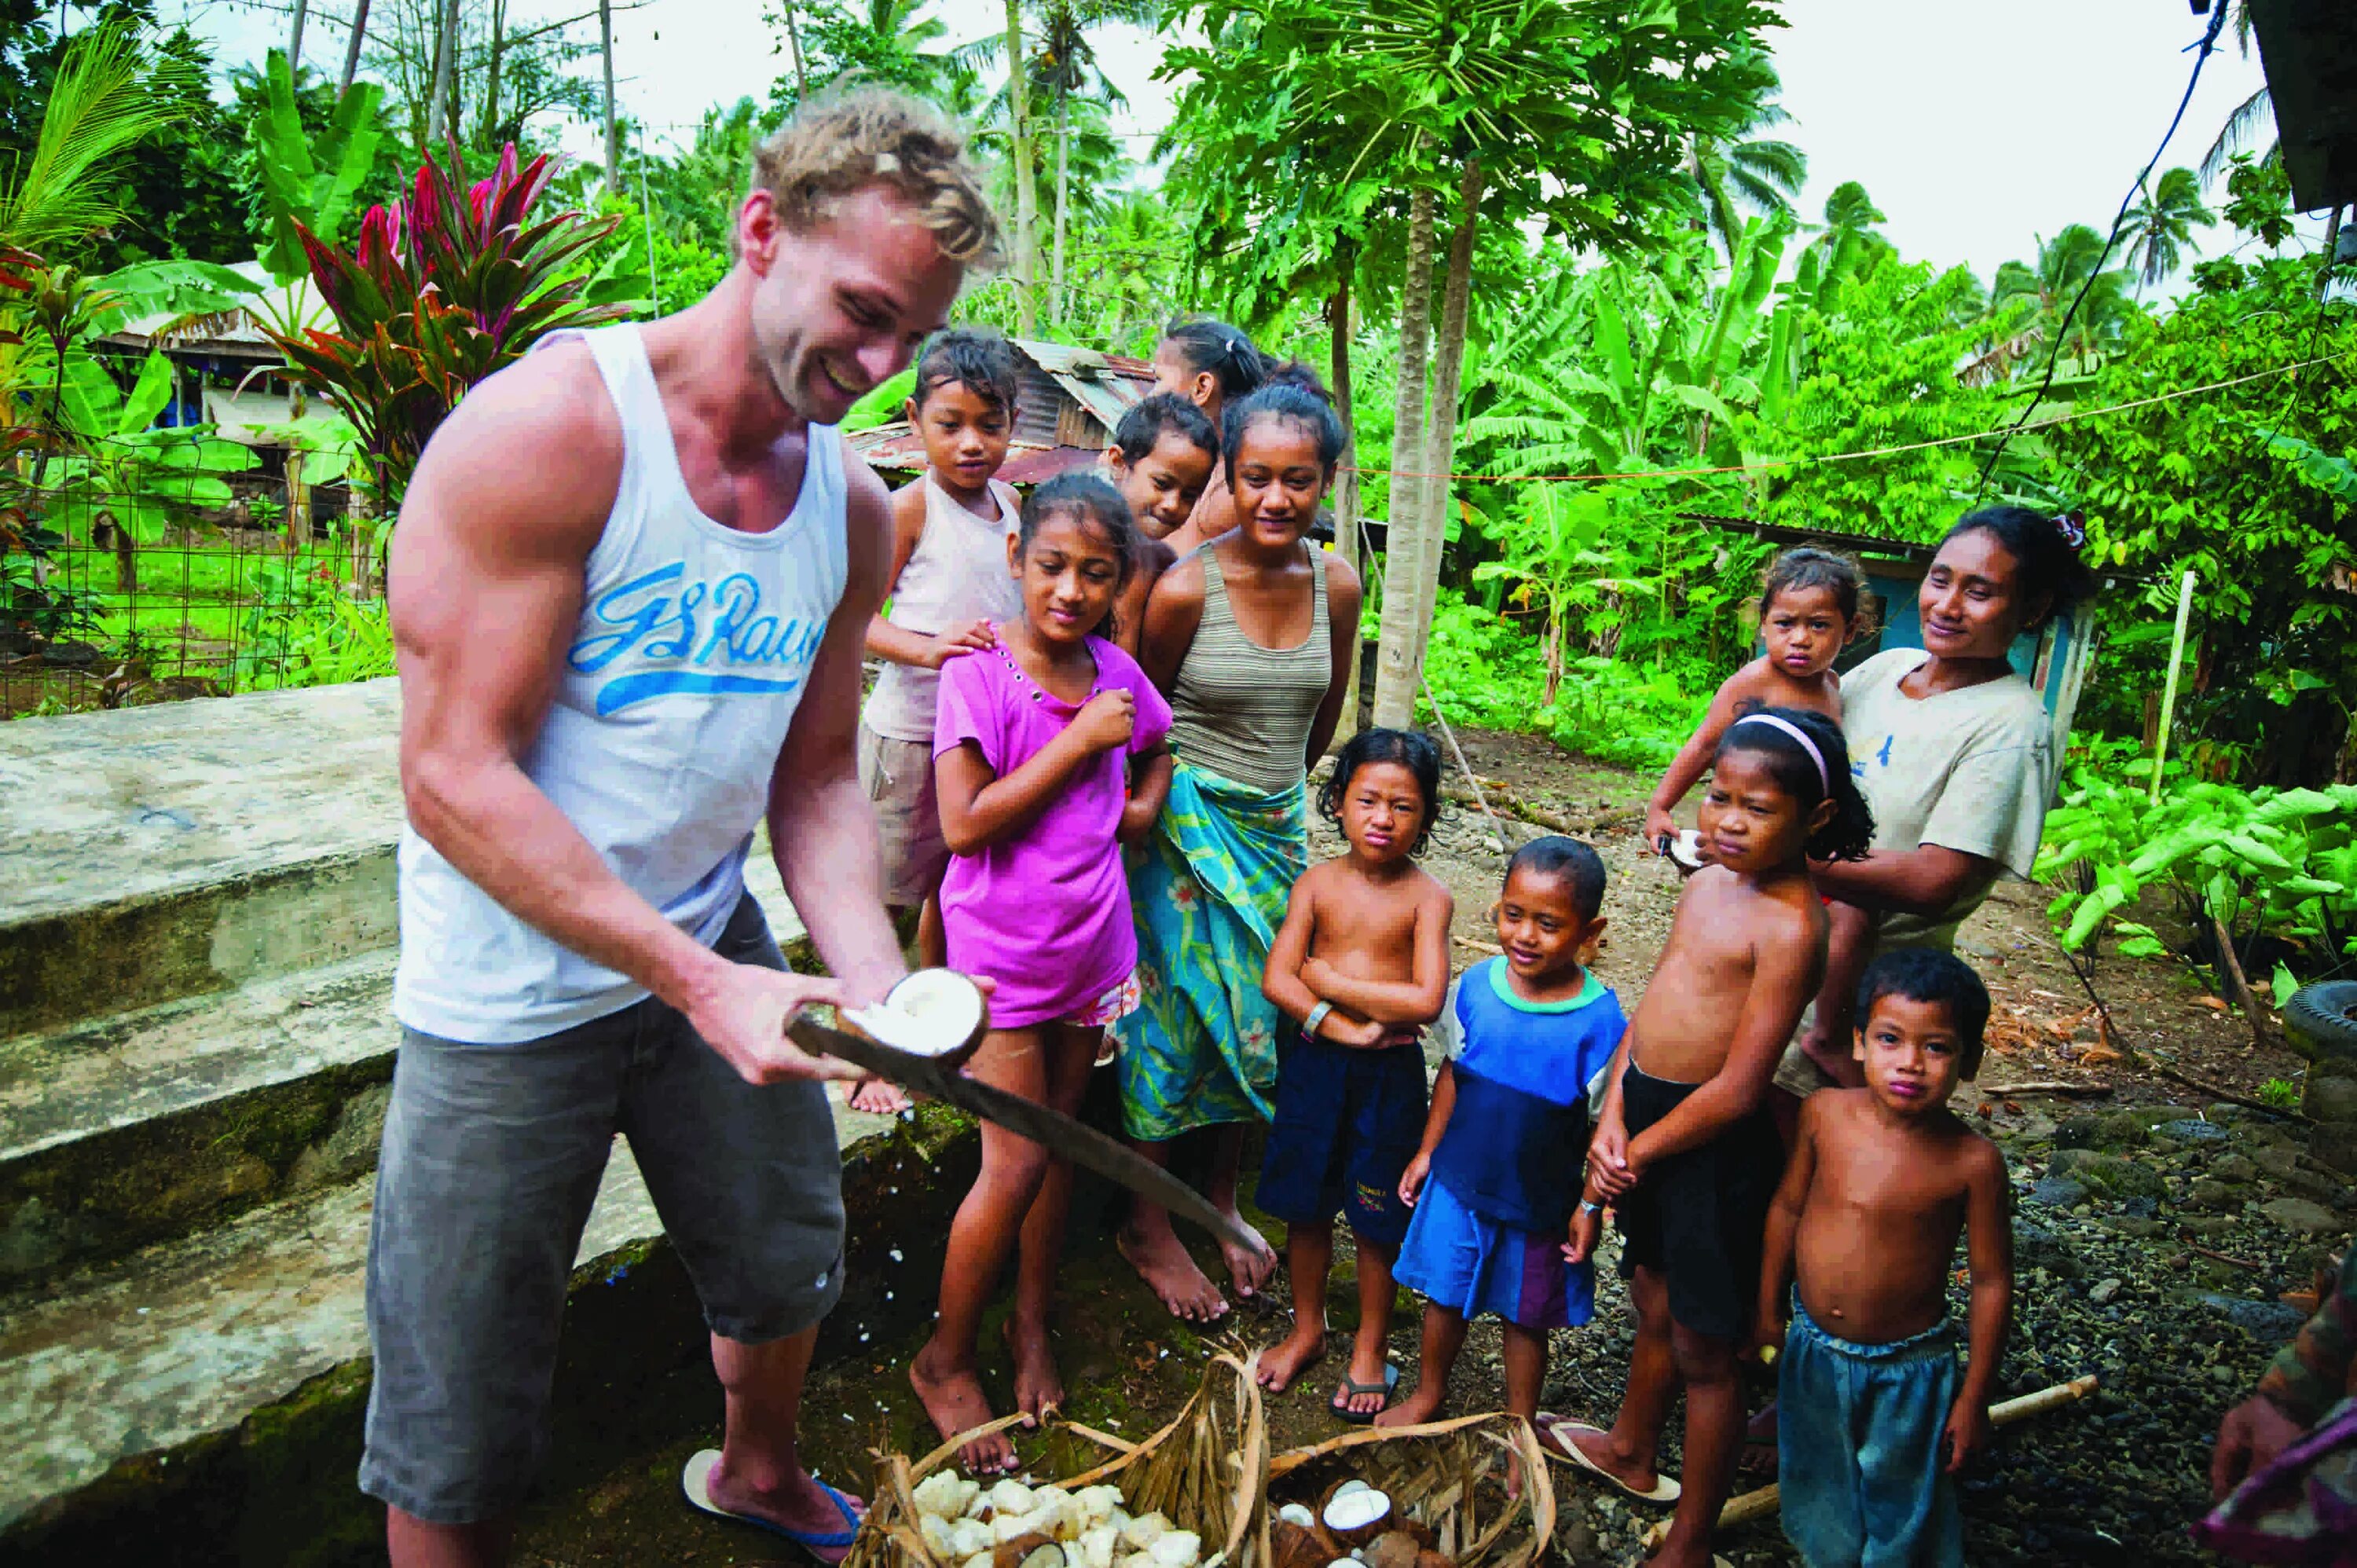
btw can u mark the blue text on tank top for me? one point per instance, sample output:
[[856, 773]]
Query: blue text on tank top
[[707, 638]]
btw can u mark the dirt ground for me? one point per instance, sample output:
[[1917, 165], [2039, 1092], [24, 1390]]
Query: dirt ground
[[2170, 1294]]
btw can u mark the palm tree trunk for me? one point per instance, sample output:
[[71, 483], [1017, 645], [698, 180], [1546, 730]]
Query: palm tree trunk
[[295, 41], [1063, 149], [1027, 194], [613, 126], [794, 42], [353, 50], [438, 98], [1346, 490], [1441, 444], [491, 115], [1395, 653]]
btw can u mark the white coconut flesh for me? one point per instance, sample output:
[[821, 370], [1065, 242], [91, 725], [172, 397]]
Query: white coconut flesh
[[930, 1013], [1351, 1510], [1295, 1513], [1686, 849]]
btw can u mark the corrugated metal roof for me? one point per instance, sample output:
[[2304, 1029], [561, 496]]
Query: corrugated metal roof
[[897, 447], [234, 334]]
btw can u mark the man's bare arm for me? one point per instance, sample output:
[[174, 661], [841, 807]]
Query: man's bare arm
[[485, 585], [821, 829]]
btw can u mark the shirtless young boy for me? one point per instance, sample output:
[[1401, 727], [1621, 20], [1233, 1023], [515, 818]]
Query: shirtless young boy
[[1683, 1145], [1877, 1418], [1361, 963]]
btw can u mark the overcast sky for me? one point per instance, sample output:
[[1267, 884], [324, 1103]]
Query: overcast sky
[[1976, 128]]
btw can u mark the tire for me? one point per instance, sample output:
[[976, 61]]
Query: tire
[[2325, 1017]]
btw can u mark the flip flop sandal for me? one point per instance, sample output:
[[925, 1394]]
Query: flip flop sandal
[[1352, 1389], [695, 1481], [1665, 1487]]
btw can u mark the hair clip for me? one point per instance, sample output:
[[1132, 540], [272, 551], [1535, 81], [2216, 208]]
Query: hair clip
[[2071, 527]]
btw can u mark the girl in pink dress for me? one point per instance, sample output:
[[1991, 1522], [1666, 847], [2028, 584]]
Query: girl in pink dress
[[1047, 754]]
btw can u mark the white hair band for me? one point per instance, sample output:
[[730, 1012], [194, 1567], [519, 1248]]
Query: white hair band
[[1825, 780]]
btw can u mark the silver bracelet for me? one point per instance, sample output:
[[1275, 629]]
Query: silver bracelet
[[1317, 1016], [1588, 1207]]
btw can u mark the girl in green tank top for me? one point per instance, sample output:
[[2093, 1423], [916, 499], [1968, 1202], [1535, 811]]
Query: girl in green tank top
[[1251, 638]]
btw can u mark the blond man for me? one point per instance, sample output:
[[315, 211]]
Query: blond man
[[629, 586]]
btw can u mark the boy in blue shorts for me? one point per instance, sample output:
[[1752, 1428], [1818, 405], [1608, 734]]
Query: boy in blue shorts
[[1877, 1418], [1530, 1035], [1362, 964]]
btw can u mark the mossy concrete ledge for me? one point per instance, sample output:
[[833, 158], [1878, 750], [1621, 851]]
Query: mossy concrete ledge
[[162, 851], [127, 1439]]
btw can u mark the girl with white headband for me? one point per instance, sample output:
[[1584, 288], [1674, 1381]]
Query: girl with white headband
[[1684, 1148]]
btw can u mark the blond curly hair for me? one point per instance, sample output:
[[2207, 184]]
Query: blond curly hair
[[848, 139]]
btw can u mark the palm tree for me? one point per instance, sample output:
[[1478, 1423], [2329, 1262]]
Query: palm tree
[[2160, 227], [103, 101], [1754, 174], [1061, 63], [2067, 264], [2253, 118]]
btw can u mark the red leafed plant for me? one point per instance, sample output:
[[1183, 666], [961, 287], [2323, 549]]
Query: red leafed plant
[[444, 288]]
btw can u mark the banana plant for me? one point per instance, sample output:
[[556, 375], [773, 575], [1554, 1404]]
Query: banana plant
[[305, 180], [121, 482]]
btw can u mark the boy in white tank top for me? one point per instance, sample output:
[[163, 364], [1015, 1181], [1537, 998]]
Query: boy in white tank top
[[951, 580]]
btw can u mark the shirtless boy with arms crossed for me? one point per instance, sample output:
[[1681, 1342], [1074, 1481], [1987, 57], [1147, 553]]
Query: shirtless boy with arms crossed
[[1361, 963], [1881, 1180]]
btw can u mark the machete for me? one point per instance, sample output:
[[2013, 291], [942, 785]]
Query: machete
[[935, 1074]]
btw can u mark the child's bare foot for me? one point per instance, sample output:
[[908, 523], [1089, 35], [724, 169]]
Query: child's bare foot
[[1249, 1268], [878, 1096], [954, 1402], [1038, 1387], [1164, 1262], [1418, 1407], [1296, 1354]]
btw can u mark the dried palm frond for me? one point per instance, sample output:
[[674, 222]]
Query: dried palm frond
[[1448, 1476], [1206, 1471]]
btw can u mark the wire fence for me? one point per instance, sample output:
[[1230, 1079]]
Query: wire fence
[[173, 565]]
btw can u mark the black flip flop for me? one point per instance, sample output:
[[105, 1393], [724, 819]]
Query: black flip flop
[[1353, 1388]]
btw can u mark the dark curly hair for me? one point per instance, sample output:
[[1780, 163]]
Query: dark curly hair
[[1567, 860], [2047, 549], [1806, 566], [1796, 773], [1927, 975], [975, 356], [1412, 751]]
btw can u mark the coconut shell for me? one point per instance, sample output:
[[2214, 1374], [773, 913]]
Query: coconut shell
[[1297, 1546], [1393, 1549], [1418, 1530], [1017, 1553], [1427, 1558]]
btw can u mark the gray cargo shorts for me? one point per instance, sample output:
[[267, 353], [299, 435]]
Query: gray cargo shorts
[[490, 1161]]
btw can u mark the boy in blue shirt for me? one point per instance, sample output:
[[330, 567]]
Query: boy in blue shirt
[[1496, 1183]]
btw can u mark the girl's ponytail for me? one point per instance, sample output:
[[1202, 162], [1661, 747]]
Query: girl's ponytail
[[1204, 344], [1810, 760]]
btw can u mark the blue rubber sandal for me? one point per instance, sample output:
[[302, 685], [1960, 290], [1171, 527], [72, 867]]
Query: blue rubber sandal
[[1352, 1389], [695, 1481]]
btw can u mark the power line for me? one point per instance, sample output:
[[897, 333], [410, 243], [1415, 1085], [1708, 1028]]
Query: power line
[[2209, 41], [1767, 464]]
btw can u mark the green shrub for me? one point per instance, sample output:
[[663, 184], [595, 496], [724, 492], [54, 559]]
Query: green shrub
[[2263, 862]]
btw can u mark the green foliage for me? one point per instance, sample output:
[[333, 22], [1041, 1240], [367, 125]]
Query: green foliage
[[2280, 1092], [305, 632], [121, 474], [2266, 863], [1486, 669], [306, 178], [2248, 487], [1879, 370]]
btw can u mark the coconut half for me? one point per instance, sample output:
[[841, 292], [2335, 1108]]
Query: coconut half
[[933, 1013], [1686, 850], [1358, 1516]]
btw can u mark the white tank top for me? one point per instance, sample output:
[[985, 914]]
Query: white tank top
[[671, 703], [957, 572]]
